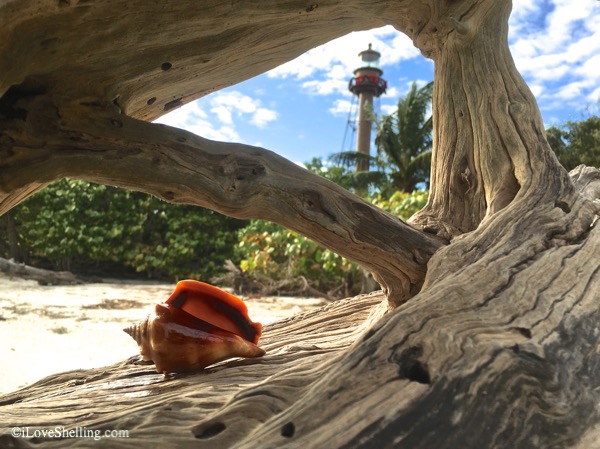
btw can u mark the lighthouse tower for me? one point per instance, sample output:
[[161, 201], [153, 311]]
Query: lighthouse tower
[[366, 84]]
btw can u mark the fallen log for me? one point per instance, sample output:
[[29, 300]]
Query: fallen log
[[44, 277]]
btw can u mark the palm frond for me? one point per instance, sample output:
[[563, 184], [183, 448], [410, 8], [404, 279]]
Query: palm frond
[[421, 162], [364, 179], [404, 138], [350, 158]]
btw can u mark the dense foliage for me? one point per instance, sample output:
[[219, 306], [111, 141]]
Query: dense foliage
[[269, 251], [75, 225]]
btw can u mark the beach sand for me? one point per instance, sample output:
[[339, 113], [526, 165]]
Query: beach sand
[[49, 329]]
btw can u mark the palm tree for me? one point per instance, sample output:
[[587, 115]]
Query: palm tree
[[403, 142], [405, 139]]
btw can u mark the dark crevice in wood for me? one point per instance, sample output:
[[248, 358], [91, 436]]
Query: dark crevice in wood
[[173, 104], [210, 431], [523, 331], [9, 102], [563, 206], [410, 367], [261, 393], [288, 430]]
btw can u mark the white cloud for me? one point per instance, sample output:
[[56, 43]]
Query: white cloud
[[556, 46], [334, 81], [192, 118], [594, 96], [227, 104], [536, 89], [262, 117], [341, 107], [392, 92], [401, 88], [223, 113], [521, 13], [201, 128], [388, 109], [235, 101], [224, 108], [327, 86], [590, 69], [571, 90]]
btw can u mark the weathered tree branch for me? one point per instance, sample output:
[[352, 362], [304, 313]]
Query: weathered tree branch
[[88, 140], [299, 349], [587, 181], [499, 347], [169, 53]]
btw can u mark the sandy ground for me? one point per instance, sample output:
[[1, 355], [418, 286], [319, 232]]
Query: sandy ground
[[50, 329]]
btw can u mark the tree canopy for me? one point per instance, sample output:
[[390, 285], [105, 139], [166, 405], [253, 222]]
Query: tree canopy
[[576, 142]]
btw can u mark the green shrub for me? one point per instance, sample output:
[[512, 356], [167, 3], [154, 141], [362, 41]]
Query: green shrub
[[269, 250], [402, 204], [73, 224]]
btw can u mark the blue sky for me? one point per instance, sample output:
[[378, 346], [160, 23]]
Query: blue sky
[[300, 109]]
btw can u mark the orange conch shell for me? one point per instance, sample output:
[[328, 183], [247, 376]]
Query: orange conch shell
[[197, 326]]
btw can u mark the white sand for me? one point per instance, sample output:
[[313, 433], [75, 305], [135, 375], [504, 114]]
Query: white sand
[[50, 329]]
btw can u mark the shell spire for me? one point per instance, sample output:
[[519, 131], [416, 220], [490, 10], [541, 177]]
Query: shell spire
[[135, 332], [131, 331]]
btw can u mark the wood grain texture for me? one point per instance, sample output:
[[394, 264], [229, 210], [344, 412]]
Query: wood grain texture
[[489, 140], [169, 53], [498, 347], [500, 353]]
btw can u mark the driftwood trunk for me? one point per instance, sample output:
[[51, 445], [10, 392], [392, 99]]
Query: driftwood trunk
[[491, 337], [44, 277]]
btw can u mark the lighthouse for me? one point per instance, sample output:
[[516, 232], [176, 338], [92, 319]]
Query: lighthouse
[[367, 84]]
